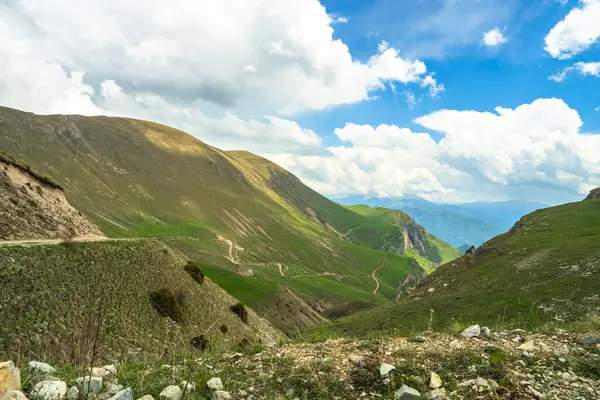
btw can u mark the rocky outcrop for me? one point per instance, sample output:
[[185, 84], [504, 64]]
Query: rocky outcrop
[[594, 194], [10, 377]]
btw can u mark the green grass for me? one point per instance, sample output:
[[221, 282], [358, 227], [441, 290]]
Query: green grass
[[547, 274], [56, 296]]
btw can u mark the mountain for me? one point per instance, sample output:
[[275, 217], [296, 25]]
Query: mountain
[[544, 270], [459, 225], [69, 292], [253, 227]]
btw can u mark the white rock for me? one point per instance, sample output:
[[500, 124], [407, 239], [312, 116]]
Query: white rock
[[472, 331], [561, 351], [87, 384], [215, 384], [242, 393], [10, 377], [221, 395], [356, 359], [187, 387], [72, 393], [481, 382], [41, 367], [527, 346], [112, 388], [435, 381], [172, 392], [407, 393], [14, 395], [125, 394], [49, 390], [111, 369], [485, 331], [146, 397], [437, 394], [385, 369]]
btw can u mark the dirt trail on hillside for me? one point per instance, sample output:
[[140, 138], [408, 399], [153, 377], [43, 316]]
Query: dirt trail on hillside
[[280, 269], [345, 235], [40, 242], [374, 277]]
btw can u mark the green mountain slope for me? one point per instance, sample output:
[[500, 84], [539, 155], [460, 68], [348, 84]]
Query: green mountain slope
[[230, 211], [546, 269]]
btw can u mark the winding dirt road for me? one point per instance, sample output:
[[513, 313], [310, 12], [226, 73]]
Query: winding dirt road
[[374, 277]]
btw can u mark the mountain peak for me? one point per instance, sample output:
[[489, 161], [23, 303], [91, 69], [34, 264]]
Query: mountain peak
[[594, 194]]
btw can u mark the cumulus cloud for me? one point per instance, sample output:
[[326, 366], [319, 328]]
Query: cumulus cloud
[[493, 37], [254, 57], [583, 68], [576, 32], [536, 144]]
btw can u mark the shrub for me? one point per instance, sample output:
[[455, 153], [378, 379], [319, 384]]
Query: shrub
[[241, 311], [224, 328], [194, 271], [200, 342], [168, 304]]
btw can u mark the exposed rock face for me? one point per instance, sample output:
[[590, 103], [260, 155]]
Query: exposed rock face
[[10, 377], [594, 194]]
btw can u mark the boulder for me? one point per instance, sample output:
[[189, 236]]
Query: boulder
[[356, 359], [215, 384], [407, 393], [40, 367], [587, 340], [172, 392], [14, 395], [435, 381], [221, 395], [437, 394], [125, 394], [10, 377], [385, 369], [49, 390], [472, 331], [87, 384], [187, 387], [72, 393]]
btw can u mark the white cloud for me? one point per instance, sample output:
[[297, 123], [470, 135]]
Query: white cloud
[[583, 68], [410, 99], [597, 109], [535, 145], [493, 37], [576, 32], [252, 57]]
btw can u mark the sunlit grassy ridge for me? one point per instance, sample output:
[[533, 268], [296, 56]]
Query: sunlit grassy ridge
[[230, 210], [546, 270]]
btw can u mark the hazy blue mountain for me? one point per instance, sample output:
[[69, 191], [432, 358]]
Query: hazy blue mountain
[[457, 224]]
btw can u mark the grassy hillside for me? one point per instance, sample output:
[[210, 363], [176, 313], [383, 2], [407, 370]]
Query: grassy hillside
[[57, 298], [227, 210], [545, 270]]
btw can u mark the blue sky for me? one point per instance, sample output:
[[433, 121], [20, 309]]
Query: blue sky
[[450, 100], [475, 77]]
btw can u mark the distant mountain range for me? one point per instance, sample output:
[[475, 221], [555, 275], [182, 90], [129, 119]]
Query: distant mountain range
[[460, 225]]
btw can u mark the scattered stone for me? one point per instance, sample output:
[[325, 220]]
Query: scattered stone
[[72, 393], [97, 372], [10, 377], [407, 393], [437, 394], [221, 395], [111, 369], [418, 380], [215, 384], [188, 387], [472, 331], [387, 381], [587, 340], [112, 388], [385, 369], [49, 390], [242, 393], [290, 392], [435, 381], [561, 351], [485, 331], [41, 367], [172, 392], [536, 394], [146, 397], [475, 382], [527, 346], [356, 359], [417, 339], [14, 395], [87, 384], [126, 394]]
